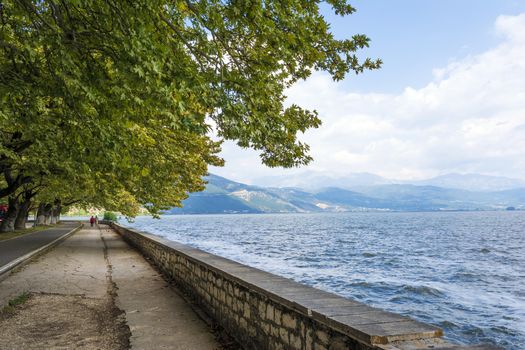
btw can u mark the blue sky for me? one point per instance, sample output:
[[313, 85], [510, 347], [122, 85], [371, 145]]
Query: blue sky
[[414, 36], [450, 97]]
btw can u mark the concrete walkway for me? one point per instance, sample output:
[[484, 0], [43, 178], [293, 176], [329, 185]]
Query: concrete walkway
[[98, 266]]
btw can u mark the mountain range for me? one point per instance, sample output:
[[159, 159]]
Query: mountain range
[[361, 192], [315, 180]]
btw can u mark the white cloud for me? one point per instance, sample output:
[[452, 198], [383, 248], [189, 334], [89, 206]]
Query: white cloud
[[470, 118]]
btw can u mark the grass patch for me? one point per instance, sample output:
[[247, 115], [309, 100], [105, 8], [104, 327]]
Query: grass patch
[[17, 233], [10, 308]]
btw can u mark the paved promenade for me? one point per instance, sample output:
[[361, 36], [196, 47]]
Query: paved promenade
[[93, 291]]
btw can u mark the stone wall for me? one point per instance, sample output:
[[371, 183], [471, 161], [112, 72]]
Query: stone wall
[[264, 311]]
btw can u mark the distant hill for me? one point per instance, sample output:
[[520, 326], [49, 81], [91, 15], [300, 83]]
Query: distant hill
[[473, 182], [311, 180], [211, 203], [226, 196]]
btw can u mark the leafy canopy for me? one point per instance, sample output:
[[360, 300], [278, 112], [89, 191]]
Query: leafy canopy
[[113, 101]]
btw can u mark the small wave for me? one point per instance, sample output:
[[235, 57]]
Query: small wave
[[466, 276], [423, 290], [362, 284], [474, 331], [504, 330], [448, 325]]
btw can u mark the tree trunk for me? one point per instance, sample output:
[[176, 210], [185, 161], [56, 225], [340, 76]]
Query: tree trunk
[[55, 212], [39, 218], [23, 210], [8, 224], [47, 213], [43, 214], [58, 211]]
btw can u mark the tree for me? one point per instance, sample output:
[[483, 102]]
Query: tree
[[117, 99]]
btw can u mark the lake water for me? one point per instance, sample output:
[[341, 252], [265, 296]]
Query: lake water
[[462, 271]]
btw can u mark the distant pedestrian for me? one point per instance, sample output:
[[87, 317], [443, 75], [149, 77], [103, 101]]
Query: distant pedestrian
[[92, 220], [96, 219]]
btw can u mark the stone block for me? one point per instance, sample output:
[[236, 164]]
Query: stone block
[[278, 346], [253, 298], [338, 344], [270, 312], [252, 331], [284, 335], [309, 339], [289, 321], [302, 328], [240, 306], [247, 310], [266, 328], [262, 309], [275, 331], [319, 346], [243, 324], [277, 316], [295, 341], [322, 337]]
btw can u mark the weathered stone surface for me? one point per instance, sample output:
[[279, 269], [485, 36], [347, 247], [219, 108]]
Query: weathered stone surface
[[289, 321], [322, 336], [383, 333], [471, 347], [374, 317], [317, 303], [353, 309], [433, 344]]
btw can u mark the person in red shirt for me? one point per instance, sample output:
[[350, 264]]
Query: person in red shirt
[[92, 220]]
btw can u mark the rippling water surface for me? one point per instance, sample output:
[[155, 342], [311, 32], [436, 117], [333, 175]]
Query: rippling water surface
[[462, 271]]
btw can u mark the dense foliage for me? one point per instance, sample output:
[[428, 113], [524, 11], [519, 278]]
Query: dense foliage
[[110, 216], [111, 103]]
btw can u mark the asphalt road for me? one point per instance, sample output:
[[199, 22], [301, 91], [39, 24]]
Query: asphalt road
[[12, 249]]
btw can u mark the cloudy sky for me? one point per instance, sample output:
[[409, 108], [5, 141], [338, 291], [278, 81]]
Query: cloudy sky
[[449, 98]]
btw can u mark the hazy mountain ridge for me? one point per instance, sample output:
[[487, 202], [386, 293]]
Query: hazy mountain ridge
[[312, 180], [226, 196], [473, 182], [315, 181]]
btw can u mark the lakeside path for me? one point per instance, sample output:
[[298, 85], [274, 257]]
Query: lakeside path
[[94, 291]]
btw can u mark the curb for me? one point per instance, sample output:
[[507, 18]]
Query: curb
[[7, 268]]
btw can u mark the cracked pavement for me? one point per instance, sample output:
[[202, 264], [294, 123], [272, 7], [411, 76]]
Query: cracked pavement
[[97, 265]]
